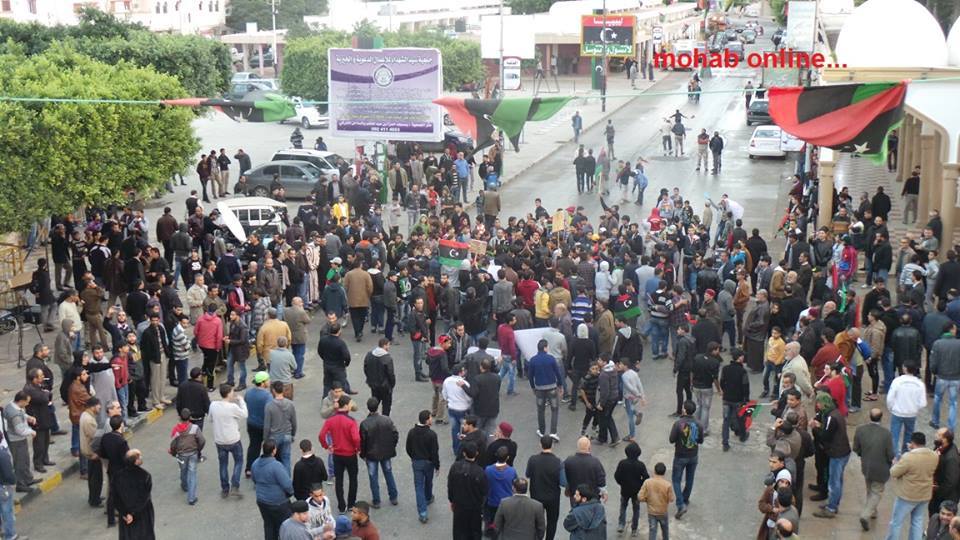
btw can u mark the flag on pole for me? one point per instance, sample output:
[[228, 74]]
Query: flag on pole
[[479, 118], [268, 108], [747, 412], [626, 307], [452, 253]]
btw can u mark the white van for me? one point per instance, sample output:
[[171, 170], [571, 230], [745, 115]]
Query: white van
[[247, 215], [772, 141]]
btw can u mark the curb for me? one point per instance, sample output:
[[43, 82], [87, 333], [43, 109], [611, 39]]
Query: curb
[[50, 484], [598, 121]]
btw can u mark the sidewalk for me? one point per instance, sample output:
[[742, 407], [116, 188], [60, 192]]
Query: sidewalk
[[542, 139]]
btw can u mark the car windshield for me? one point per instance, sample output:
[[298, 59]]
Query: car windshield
[[760, 106], [311, 170], [767, 134]]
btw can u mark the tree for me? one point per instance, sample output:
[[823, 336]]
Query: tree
[[289, 12], [522, 7], [58, 156], [202, 65], [305, 64]]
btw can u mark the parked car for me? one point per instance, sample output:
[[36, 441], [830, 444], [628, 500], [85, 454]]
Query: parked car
[[262, 215], [765, 141], [730, 34], [298, 178], [748, 36], [239, 90], [759, 112], [308, 116], [242, 76], [735, 48], [451, 136], [325, 161], [267, 59]]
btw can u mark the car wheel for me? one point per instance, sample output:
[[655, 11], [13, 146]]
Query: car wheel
[[751, 156], [260, 191], [305, 123]]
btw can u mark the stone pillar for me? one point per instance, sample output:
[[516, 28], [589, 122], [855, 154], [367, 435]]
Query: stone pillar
[[902, 146], [916, 156], [928, 162], [825, 193], [246, 56], [906, 143], [948, 211]]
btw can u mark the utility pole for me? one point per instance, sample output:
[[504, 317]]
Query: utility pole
[[276, 53], [501, 47], [603, 80]]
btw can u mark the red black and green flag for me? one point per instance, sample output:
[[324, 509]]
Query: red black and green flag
[[451, 252], [747, 412], [267, 108], [625, 307], [479, 118], [845, 117]]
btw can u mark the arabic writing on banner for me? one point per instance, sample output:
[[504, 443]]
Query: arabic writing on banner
[[396, 87]]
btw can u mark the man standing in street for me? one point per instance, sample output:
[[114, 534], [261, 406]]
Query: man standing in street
[[378, 445], [88, 430], [706, 379], [576, 122], [274, 488], [359, 286], [735, 391], [18, 434], [336, 357], [256, 400], [905, 399], [345, 436], [381, 378], [298, 320], [547, 478], [455, 388], [947, 477], [913, 484], [610, 133], [872, 442], [467, 492], [546, 380], [38, 407], [226, 415], [424, 452], [283, 366], [583, 468], [944, 363], [716, 148], [280, 423], [686, 435], [519, 516], [703, 143], [831, 434]]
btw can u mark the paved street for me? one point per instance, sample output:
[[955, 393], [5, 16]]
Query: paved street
[[727, 484]]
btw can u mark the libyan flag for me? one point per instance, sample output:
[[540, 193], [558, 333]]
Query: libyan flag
[[452, 253], [746, 413], [267, 108], [845, 117], [480, 117], [625, 307]]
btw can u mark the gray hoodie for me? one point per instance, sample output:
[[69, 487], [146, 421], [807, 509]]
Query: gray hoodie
[[725, 300], [279, 418], [63, 347]]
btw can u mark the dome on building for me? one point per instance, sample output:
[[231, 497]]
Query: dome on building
[[953, 44], [868, 36]]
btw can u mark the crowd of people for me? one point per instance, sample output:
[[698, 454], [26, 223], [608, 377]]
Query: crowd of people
[[694, 286]]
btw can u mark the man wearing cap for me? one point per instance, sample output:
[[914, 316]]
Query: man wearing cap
[[295, 526], [256, 399], [501, 440]]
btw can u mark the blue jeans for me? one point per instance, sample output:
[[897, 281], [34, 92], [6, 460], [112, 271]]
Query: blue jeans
[[660, 336], [629, 407], [653, 522], [900, 424], [902, 509], [419, 350], [180, 365], [951, 387], [123, 396], [835, 482], [888, 371], [456, 418], [188, 475], [376, 311], [6, 512], [730, 329], [224, 451], [176, 271], [729, 417], [283, 449], [423, 484], [372, 472], [298, 350], [509, 368], [681, 464], [231, 364], [768, 368]]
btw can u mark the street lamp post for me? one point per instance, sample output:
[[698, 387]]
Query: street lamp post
[[501, 47], [276, 53], [603, 72]]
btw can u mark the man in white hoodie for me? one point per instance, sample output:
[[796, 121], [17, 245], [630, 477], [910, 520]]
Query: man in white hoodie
[[907, 396]]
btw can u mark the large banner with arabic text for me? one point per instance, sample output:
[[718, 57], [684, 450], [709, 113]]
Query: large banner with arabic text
[[385, 94]]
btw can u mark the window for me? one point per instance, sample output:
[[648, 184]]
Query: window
[[243, 215], [32, 5], [270, 170], [4, 5]]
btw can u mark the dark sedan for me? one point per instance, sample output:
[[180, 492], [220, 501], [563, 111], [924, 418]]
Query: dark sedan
[[297, 177]]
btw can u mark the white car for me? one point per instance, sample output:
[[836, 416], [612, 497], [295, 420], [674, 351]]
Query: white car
[[309, 116], [772, 141]]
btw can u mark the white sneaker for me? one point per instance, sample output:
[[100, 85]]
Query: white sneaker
[[555, 437], [539, 434]]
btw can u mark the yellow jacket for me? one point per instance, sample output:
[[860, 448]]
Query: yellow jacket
[[913, 474], [542, 301], [341, 210]]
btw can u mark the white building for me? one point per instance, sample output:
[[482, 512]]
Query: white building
[[405, 14], [205, 17]]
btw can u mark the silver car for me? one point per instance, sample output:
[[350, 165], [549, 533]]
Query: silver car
[[298, 178]]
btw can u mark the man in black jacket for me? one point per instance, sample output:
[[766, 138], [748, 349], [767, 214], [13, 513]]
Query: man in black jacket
[[379, 371], [735, 388], [39, 408], [193, 395], [467, 492], [485, 391], [683, 354], [336, 357], [584, 468], [544, 471], [424, 452], [378, 445]]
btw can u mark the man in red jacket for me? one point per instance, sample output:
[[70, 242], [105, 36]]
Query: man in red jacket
[[345, 436], [209, 335], [826, 355]]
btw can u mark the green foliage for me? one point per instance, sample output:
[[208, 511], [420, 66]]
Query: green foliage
[[778, 6], [521, 7], [305, 60], [202, 65], [289, 12], [59, 156]]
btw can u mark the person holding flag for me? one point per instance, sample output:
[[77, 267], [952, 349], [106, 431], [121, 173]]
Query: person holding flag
[[735, 390]]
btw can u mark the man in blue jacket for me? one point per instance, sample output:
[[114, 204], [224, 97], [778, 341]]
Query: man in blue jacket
[[274, 488], [546, 379]]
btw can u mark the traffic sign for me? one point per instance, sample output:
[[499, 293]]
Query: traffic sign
[[658, 34], [616, 33]]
